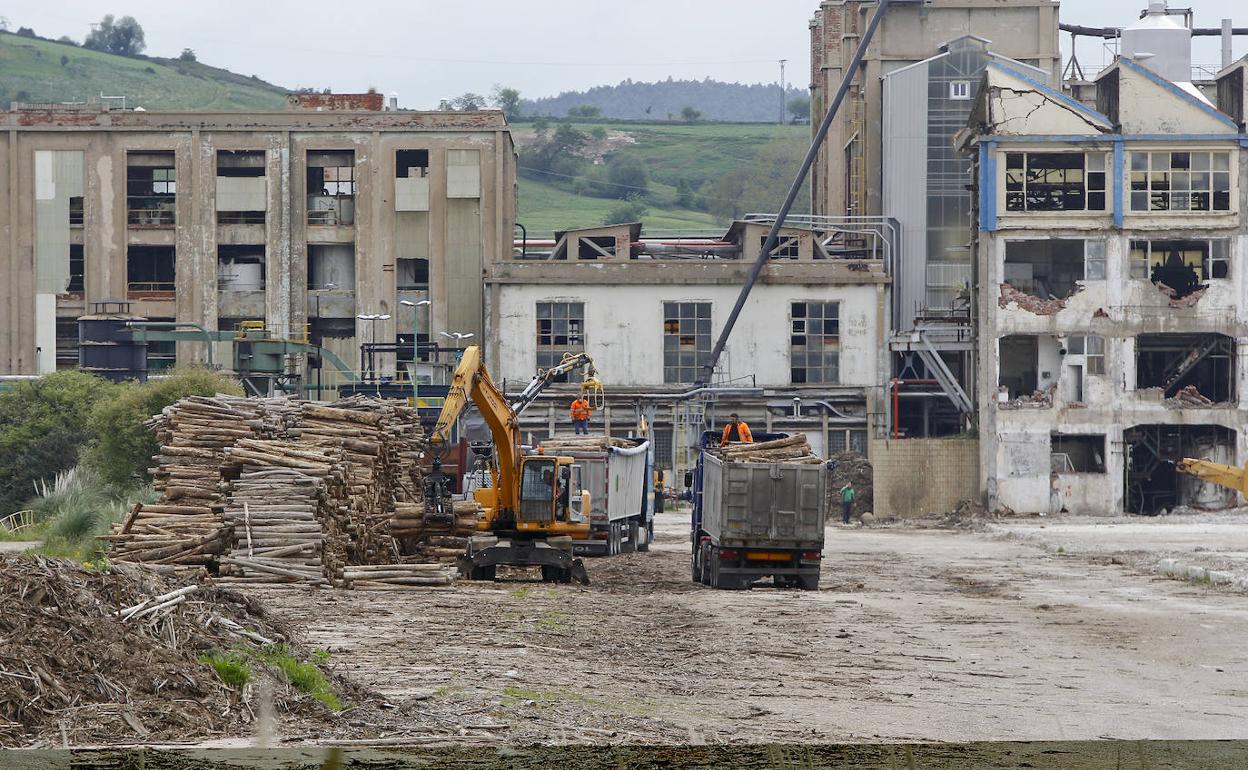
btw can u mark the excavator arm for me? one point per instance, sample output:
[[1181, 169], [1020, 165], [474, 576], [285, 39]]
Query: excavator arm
[[472, 382], [591, 386], [1215, 473]]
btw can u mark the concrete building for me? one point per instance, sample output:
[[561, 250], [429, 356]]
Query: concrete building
[[846, 179], [805, 354], [304, 219], [1110, 253]]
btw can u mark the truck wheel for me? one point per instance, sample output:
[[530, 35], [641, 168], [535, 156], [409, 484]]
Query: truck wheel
[[647, 537], [808, 582], [704, 568], [613, 540], [634, 532], [697, 567]]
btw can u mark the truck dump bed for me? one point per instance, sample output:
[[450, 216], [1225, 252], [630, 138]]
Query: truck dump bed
[[760, 505]]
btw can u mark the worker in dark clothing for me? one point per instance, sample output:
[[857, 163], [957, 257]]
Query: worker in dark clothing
[[847, 502], [736, 430]]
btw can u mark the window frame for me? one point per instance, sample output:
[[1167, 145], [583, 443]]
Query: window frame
[[801, 328], [1017, 197], [677, 317], [549, 353], [1149, 183], [1217, 252]]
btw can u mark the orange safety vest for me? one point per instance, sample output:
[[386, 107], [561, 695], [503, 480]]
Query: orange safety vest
[[580, 409], [743, 433]]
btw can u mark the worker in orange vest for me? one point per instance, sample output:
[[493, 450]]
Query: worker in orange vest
[[736, 430], [580, 414]]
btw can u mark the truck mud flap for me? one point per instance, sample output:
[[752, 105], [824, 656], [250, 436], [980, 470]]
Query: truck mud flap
[[558, 564]]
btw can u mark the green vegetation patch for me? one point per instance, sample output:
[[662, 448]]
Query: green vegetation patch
[[305, 677], [231, 667]]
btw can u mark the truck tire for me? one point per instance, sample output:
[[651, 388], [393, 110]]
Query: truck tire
[[613, 539], [647, 538], [808, 582], [697, 567], [704, 562], [634, 532]]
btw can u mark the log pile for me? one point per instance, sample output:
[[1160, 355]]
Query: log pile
[[793, 449], [583, 443], [434, 541], [280, 490]]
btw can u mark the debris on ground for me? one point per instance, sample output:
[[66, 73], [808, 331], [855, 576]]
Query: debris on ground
[[970, 514], [115, 655], [1188, 396], [1013, 295], [1039, 399], [792, 449], [854, 469]]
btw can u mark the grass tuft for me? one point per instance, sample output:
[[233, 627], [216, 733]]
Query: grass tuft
[[231, 668], [305, 677]]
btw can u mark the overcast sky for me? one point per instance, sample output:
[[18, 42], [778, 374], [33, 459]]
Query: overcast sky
[[429, 49]]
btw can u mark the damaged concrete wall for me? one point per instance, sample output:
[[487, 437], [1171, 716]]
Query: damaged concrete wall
[[921, 476]]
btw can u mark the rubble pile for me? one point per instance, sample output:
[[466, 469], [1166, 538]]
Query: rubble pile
[[1189, 396], [1040, 399], [854, 469], [1013, 295], [278, 490], [92, 656]]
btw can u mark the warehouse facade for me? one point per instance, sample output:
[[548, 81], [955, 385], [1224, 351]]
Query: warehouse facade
[[304, 219]]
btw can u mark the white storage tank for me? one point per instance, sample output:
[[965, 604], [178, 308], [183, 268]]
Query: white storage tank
[[1160, 42]]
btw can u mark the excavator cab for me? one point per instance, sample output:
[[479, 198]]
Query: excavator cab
[[551, 494]]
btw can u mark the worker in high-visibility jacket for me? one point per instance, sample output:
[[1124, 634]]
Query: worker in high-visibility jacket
[[580, 411], [736, 430]]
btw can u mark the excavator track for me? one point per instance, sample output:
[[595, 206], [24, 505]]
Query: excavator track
[[553, 555]]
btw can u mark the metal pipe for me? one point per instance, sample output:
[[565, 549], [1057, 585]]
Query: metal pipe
[[851, 71], [174, 325], [1227, 36], [1109, 33]]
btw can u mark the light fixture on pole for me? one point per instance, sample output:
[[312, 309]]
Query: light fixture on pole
[[372, 318], [415, 333]]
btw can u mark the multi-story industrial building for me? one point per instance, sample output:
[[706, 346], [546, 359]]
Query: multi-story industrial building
[[306, 219], [1110, 252], [804, 355]]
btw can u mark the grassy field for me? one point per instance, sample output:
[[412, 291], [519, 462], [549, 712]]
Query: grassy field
[[40, 70], [699, 153]]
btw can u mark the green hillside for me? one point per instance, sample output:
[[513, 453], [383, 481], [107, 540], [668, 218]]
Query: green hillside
[[701, 154], [32, 69]]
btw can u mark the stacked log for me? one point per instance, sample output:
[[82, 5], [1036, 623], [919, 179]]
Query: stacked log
[[275, 517], [187, 536], [435, 541], [583, 443], [380, 575], [793, 449]]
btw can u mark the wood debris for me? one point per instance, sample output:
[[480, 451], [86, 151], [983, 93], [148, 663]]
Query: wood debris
[[793, 449]]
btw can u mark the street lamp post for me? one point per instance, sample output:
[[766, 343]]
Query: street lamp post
[[372, 337], [416, 339]]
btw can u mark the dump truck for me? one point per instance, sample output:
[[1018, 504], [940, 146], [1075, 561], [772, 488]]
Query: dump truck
[[617, 479], [753, 520]]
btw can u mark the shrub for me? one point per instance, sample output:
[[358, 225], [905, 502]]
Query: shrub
[[124, 446], [44, 426], [630, 211]]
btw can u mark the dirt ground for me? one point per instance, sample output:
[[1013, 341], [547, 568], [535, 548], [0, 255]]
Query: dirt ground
[[915, 635]]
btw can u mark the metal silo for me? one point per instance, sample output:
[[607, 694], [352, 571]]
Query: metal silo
[[106, 345]]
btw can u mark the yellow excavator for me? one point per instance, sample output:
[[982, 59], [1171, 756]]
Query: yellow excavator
[[1216, 473], [535, 506]]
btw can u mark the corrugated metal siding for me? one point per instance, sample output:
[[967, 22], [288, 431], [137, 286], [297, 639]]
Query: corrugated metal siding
[[904, 154]]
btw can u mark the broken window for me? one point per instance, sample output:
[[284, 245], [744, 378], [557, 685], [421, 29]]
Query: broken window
[[786, 246], [1092, 348], [1180, 265], [595, 247], [331, 188], [151, 189], [412, 274], [161, 355], [1195, 369], [331, 266], [1027, 368], [77, 269], [1180, 181], [66, 344], [1154, 484], [411, 163], [1054, 181], [1077, 454], [814, 342], [560, 330], [1051, 269], [150, 269], [75, 211], [242, 194], [240, 268], [686, 340]]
